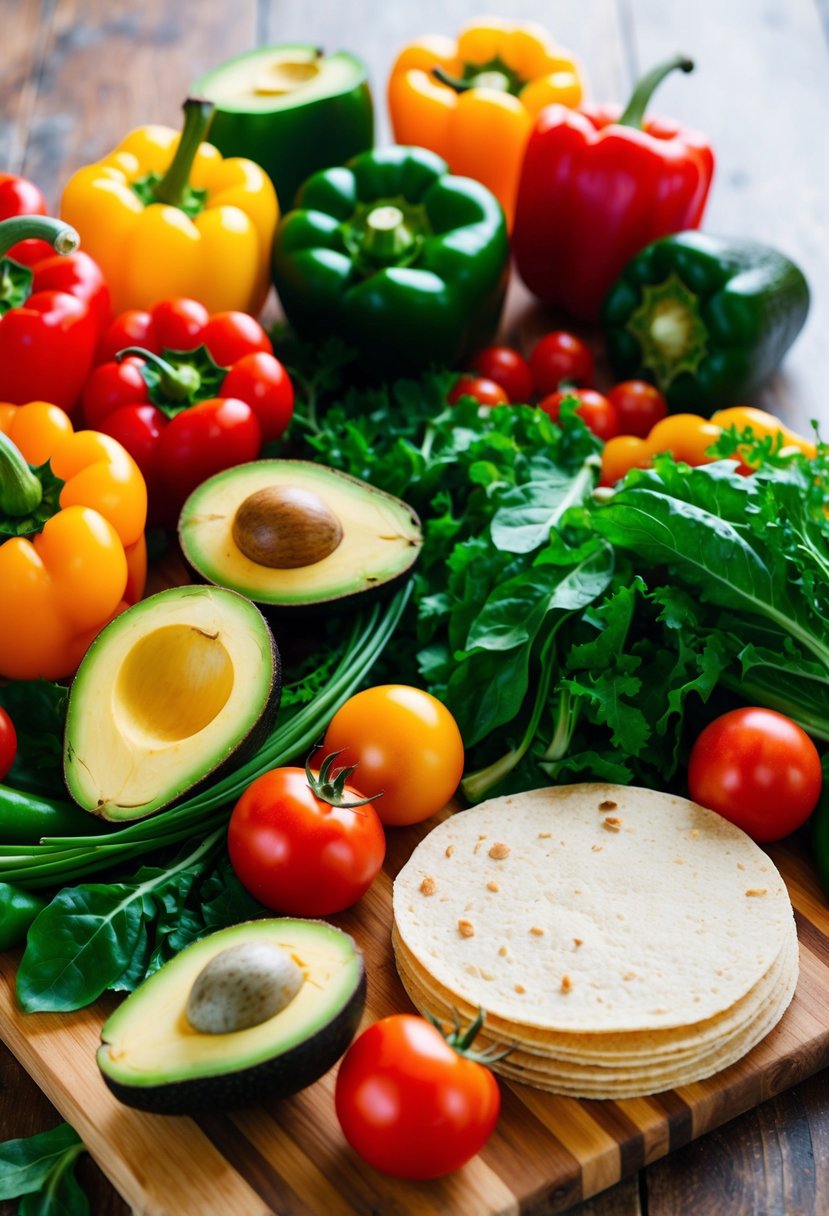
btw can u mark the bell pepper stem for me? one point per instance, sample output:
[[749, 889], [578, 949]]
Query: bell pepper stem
[[177, 383], [485, 79], [198, 114], [62, 237], [20, 490], [634, 113]]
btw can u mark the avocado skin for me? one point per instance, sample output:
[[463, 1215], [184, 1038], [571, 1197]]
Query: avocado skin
[[277, 1078]]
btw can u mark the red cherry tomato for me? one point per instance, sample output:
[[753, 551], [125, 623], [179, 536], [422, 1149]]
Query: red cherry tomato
[[261, 380], [299, 855], [509, 369], [559, 358], [111, 386], [485, 392], [411, 1105], [18, 196], [404, 742], [229, 336], [597, 413], [179, 324], [639, 406], [758, 769], [205, 439], [132, 328], [8, 743]]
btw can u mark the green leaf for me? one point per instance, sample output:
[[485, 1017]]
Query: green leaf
[[529, 512], [26, 1164], [62, 1196], [38, 710]]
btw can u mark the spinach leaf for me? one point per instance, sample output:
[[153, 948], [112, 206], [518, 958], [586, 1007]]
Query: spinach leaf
[[38, 710], [40, 1168]]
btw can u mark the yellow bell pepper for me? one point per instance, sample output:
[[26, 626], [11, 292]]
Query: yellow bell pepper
[[72, 555], [474, 101], [763, 426], [166, 215]]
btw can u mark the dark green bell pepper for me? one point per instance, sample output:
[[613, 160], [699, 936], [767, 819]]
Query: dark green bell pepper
[[400, 259], [18, 910], [704, 318]]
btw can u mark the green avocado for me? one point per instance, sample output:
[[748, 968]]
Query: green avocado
[[292, 534], [291, 109], [170, 691], [261, 1009]]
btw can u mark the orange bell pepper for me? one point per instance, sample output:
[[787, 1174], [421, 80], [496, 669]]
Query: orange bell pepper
[[690, 438], [72, 512], [474, 101]]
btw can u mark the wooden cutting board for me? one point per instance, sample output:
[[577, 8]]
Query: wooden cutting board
[[290, 1157]]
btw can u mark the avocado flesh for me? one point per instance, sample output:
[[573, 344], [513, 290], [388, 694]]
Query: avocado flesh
[[166, 693], [153, 1059], [290, 110], [381, 535]]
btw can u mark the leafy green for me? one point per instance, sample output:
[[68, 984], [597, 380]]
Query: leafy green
[[38, 711], [40, 1169]]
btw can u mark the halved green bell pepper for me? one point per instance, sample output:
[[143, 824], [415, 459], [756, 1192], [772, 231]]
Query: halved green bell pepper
[[705, 318], [404, 261]]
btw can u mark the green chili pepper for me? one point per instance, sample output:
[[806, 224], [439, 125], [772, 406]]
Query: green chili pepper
[[404, 261], [704, 318], [25, 818], [17, 911]]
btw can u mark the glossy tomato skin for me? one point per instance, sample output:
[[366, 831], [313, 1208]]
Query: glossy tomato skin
[[560, 357], [298, 855], [595, 410], [8, 743], [405, 743], [409, 1104], [639, 406], [509, 369], [485, 392], [758, 769]]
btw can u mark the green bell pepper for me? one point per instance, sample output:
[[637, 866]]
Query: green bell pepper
[[704, 318], [403, 261], [18, 910]]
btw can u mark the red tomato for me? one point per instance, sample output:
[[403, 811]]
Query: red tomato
[[261, 380], [8, 744], [111, 386], [205, 439], [560, 357], [411, 1105], [18, 196], [597, 413], [230, 336], [296, 853], [639, 406], [758, 769], [485, 392], [506, 367], [179, 324], [405, 743], [131, 328]]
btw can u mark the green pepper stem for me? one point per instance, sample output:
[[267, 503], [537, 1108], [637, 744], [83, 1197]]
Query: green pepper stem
[[173, 187], [61, 236], [634, 113], [20, 490], [490, 78], [176, 383]]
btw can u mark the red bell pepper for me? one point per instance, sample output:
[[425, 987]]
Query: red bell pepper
[[53, 306], [199, 395], [596, 187]]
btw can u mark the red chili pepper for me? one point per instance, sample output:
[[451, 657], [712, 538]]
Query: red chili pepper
[[596, 187], [181, 414], [52, 308]]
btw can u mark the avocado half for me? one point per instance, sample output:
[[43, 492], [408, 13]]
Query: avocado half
[[291, 109], [152, 1057], [292, 534], [168, 692]]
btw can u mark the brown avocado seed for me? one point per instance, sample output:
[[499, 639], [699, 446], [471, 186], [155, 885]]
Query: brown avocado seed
[[285, 527]]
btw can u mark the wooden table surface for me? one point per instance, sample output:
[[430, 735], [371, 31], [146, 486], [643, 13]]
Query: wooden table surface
[[77, 74]]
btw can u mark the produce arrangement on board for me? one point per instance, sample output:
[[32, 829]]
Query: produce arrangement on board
[[485, 662]]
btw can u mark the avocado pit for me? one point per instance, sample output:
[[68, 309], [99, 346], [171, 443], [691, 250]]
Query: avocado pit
[[241, 987], [285, 527]]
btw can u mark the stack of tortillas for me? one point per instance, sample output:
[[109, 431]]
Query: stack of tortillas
[[620, 941]]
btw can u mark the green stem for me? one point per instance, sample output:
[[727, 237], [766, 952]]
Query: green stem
[[634, 113], [176, 383], [173, 187], [20, 491], [485, 79], [62, 237]]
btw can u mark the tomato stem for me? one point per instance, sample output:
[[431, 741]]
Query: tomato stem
[[329, 785]]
